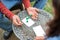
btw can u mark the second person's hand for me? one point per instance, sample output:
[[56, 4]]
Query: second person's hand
[[33, 11]]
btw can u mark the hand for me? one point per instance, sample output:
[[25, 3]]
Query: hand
[[40, 38], [16, 21], [33, 11]]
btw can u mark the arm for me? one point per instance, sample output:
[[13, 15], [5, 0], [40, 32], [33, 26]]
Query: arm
[[26, 3], [5, 11], [15, 19], [31, 11]]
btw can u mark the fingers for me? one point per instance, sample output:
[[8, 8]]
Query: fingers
[[33, 11], [35, 15], [19, 22], [16, 21], [37, 10], [39, 38]]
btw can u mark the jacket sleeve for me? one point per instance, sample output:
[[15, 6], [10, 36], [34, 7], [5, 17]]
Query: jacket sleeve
[[26, 3], [6, 11]]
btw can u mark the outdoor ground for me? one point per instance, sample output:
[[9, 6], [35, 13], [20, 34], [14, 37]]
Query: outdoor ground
[[48, 8]]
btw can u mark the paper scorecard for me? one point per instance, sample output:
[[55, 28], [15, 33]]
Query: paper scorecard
[[29, 23], [39, 31]]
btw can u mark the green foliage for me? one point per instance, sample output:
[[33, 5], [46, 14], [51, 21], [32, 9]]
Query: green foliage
[[48, 6]]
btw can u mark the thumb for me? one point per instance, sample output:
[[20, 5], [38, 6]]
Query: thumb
[[37, 10], [18, 21]]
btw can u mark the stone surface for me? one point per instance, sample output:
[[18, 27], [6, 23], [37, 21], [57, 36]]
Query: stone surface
[[24, 32], [42, 18]]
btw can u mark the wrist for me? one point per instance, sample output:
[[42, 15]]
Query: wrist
[[11, 17], [28, 8]]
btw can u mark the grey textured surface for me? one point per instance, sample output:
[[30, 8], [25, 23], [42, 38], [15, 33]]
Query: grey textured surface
[[27, 33]]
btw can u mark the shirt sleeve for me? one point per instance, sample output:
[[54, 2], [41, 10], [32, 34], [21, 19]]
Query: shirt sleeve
[[6, 11], [26, 3]]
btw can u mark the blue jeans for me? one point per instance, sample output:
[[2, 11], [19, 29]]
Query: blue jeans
[[5, 23], [40, 4]]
